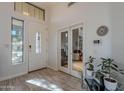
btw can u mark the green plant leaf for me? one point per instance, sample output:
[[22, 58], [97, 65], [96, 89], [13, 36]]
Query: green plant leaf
[[114, 68], [105, 72], [115, 65], [107, 66], [121, 69], [103, 58], [99, 65], [87, 63], [90, 61], [122, 73]]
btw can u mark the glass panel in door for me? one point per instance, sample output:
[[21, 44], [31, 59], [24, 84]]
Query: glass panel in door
[[64, 49], [77, 54]]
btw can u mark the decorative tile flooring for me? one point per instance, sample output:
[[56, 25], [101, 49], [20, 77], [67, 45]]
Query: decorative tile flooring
[[43, 80]]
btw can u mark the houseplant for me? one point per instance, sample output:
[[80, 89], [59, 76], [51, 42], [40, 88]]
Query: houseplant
[[90, 67], [106, 68]]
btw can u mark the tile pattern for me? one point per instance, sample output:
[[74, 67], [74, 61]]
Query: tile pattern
[[43, 80]]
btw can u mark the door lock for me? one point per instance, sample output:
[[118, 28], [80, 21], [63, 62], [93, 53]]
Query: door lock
[[30, 46]]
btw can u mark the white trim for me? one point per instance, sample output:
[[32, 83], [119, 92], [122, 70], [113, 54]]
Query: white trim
[[73, 72], [69, 27], [84, 51]]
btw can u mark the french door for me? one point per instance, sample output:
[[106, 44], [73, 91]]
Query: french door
[[71, 50], [63, 50], [76, 50]]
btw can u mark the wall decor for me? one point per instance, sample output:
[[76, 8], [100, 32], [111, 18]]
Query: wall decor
[[102, 30]]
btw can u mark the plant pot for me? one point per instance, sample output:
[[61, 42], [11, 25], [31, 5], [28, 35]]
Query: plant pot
[[110, 84], [89, 73]]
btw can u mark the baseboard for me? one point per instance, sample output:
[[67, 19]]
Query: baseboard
[[52, 68], [13, 76], [37, 69]]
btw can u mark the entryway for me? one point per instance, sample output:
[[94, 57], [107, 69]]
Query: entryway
[[70, 50], [36, 46], [28, 44]]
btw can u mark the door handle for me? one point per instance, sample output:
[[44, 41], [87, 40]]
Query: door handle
[[30, 46]]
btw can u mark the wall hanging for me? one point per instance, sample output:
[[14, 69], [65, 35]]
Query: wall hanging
[[102, 30]]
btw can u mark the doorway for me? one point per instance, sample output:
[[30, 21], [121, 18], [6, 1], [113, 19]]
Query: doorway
[[71, 50], [35, 57]]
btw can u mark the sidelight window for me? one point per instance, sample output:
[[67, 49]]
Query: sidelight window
[[17, 30]]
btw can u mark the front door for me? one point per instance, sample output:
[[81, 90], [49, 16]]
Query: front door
[[35, 57]]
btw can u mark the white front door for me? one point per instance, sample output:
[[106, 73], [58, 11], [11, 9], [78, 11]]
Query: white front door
[[35, 57]]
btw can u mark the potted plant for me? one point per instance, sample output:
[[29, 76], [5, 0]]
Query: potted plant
[[90, 67], [106, 68]]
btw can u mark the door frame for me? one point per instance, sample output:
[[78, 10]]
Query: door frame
[[73, 72], [83, 50], [59, 51]]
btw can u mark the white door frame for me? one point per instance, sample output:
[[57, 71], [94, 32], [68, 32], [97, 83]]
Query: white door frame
[[70, 57], [59, 51], [73, 72]]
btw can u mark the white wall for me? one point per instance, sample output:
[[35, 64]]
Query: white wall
[[92, 15], [60, 16], [7, 70], [117, 21], [117, 29]]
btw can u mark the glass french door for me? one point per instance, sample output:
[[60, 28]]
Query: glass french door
[[63, 51], [71, 50], [77, 50]]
